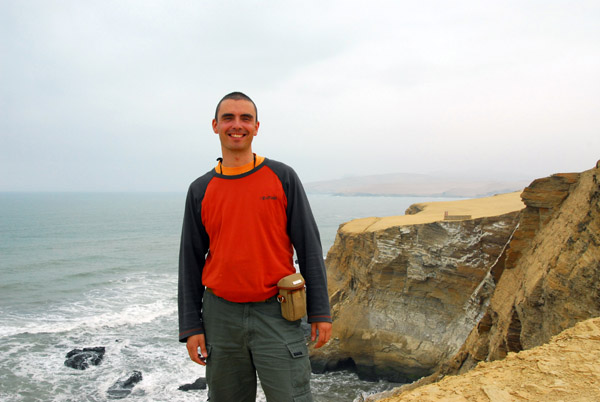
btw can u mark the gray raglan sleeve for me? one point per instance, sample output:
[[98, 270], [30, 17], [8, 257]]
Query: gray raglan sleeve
[[304, 234], [192, 253]]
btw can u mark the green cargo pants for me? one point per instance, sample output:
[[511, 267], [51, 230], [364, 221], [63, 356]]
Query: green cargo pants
[[246, 339]]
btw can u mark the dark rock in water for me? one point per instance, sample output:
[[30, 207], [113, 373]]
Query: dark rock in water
[[200, 383], [81, 359], [124, 385]]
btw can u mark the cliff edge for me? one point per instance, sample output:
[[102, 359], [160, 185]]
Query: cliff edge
[[547, 280], [407, 290]]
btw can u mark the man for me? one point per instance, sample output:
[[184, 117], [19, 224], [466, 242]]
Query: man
[[242, 222]]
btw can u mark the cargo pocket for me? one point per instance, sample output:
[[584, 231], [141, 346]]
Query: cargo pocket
[[298, 349], [300, 371]]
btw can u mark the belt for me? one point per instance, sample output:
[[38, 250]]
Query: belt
[[270, 299]]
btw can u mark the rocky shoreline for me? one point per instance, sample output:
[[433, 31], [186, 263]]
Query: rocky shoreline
[[82, 359]]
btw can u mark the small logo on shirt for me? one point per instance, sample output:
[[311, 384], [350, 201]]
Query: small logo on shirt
[[269, 197]]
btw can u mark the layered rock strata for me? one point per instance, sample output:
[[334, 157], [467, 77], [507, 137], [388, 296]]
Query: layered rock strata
[[548, 277], [405, 296]]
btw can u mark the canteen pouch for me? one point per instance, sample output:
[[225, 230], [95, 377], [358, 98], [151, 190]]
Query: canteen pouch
[[292, 297]]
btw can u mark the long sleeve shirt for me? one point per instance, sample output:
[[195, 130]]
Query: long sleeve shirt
[[238, 239]]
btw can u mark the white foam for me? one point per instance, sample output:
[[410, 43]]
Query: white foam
[[86, 318], [131, 300]]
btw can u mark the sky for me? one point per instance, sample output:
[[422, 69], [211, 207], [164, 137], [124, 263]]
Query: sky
[[119, 95]]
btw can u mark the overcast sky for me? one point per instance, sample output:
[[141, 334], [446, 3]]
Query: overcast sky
[[119, 95]]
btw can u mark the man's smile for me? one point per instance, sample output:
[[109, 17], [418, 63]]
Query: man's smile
[[237, 135]]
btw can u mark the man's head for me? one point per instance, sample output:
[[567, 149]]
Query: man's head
[[236, 124], [236, 96]]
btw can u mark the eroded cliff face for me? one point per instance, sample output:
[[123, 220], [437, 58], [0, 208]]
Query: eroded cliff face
[[549, 277], [405, 298]]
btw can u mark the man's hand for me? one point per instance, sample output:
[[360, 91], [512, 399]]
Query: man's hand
[[193, 343], [321, 332]]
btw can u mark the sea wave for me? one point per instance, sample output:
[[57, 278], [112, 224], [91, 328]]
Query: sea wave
[[85, 318]]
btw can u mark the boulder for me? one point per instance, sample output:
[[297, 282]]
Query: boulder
[[124, 385], [81, 359], [200, 383]]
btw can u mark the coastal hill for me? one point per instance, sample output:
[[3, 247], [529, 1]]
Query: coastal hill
[[436, 299], [407, 184]]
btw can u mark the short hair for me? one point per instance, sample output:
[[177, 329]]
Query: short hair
[[236, 96]]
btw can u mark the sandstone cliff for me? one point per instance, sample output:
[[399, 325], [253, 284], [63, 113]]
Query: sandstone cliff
[[406, 291], [548, 279]]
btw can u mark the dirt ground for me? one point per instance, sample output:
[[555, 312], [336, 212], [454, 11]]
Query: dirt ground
[[565, 369]]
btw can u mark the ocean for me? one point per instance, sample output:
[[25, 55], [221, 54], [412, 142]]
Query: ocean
[[100, 269]]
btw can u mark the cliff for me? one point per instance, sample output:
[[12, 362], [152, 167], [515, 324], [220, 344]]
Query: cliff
[[548, 279], [406, 291]]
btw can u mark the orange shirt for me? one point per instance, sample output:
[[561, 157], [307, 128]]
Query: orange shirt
[[241, 227], [245, 218]]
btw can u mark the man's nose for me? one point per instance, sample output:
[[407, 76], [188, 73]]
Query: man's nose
[[237, 122]]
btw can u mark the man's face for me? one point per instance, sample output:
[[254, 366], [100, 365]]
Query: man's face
[[236, 125]]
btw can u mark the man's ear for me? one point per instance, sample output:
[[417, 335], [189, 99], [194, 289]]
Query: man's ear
[[256, 131], [214, 126]]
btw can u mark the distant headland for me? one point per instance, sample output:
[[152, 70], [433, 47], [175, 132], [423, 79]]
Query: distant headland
[[418, 185]]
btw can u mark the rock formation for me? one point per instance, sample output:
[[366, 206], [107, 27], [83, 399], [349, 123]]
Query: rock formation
[[123, 386], [548, 277], [81, 359], [200, 383], [405, 297]]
